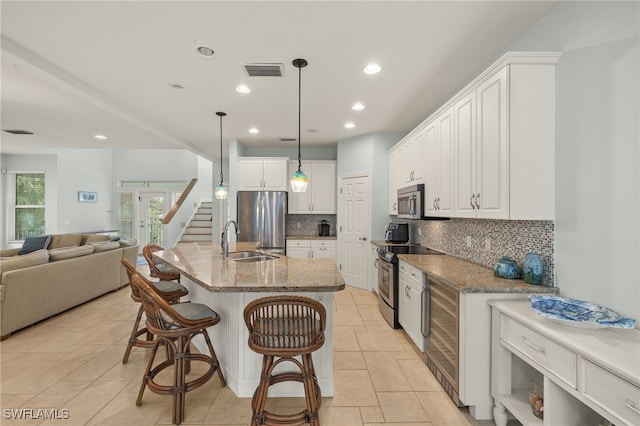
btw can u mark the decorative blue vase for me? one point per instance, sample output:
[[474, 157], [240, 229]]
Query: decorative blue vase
[[532, 269], [507, 268]]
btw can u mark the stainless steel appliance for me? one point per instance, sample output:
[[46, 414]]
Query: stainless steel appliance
[[440, 330], [388, 278], [262, 218], [397, 233], [411, 201]]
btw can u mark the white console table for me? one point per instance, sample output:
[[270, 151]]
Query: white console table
[[587, 374]]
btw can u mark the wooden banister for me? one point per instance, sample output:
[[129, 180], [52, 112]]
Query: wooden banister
[[179, 201]]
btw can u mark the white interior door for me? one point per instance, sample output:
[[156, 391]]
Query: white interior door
[[353, 229], [151, 211]]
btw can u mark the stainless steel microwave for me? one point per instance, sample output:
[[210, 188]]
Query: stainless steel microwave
[[411, 201]]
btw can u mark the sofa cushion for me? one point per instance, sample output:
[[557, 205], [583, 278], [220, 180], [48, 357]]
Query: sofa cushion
[[93, 238], [69, 252], [18, 262], [65, 240], [105, 246], [32, 244], [127, 243]]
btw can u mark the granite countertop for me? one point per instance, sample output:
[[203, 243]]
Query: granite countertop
[[382, 243], [468, 277], [309, 237], [203, 264]]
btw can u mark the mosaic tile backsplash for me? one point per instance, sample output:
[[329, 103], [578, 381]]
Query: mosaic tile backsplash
[[309, 224], [490, 240]]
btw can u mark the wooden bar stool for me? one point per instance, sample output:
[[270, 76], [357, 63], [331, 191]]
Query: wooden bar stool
[[157, 268], [283, 327], [170, 291], [175, 326]]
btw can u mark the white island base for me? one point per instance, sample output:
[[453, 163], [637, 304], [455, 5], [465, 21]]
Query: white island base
[[242, 366]]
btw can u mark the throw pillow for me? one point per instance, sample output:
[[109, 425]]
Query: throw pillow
[[105, 246], [32, 244], [93, 238], [65, 240], [38, 257], [69, 252], [127, 243]]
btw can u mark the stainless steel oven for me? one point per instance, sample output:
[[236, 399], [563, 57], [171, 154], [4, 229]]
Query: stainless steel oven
[[387, 288], [388, 277]]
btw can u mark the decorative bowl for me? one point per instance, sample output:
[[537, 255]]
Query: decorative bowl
[[578, 312], [507, 268]]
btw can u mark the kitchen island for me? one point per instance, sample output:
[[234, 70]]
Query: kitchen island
[[228, 285]]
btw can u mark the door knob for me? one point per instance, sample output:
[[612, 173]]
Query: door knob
[[362, 238]]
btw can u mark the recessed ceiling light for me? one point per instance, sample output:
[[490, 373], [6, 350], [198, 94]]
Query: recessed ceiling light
[[254, 131], [205, 51], [101, 137], [357, 106], [349, 125], [243, 89], [372, 69], [177, 86]]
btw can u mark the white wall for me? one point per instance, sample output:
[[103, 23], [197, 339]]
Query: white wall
[[307, 153], [597, 149]]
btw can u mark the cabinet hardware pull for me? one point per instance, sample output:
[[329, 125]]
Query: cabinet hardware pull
[[394, 206], [438, 203], [536, 347], [631, 406], [435, 207], [478, 201], [473, 197]]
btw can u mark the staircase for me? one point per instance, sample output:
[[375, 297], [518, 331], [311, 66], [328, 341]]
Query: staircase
[[199, 228]]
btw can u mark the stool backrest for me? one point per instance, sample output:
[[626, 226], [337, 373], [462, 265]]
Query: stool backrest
[[285, 324], [131, 271], [155, 264]]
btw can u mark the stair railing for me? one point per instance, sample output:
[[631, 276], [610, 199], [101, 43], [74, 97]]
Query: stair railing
[[174, 209]]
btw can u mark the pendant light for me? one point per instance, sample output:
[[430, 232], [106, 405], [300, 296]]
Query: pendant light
[[299, 180], [221, 190]]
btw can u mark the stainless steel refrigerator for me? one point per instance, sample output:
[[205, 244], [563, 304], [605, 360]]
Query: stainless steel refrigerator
[[262, 218]]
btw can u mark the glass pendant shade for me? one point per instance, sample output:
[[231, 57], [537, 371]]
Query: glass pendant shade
[[299, 181], [221, 192]]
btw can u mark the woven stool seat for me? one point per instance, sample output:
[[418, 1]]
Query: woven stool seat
[[280, 328], [170, 291], [175, 326], [158, 268]]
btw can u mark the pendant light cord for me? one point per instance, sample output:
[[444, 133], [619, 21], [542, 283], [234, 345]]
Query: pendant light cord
[[299, 114], [221, 114]]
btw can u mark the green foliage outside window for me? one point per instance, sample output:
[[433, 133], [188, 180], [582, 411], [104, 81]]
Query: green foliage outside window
[[29, 205]]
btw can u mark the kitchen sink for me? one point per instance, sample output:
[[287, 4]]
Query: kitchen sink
[[250, 256]]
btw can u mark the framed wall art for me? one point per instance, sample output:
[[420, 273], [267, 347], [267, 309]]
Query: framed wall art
[[87, 197]]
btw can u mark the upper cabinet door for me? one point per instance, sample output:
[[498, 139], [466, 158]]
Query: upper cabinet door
[[444, 155], [320, 196], [323, 194], [432, 170], [262, 174], [275, 174], [492, 148], [250, 176], [465, 165]]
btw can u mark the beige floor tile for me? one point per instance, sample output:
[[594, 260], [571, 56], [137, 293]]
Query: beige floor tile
[[366, 299], [371, 415], [442, 411], [375, 325], [385, 372], [347, 309], [38, 376], [340, 416], [402, 407], [227, 408], [348, 361], [401, 424], [347, 318], [123, 407], [419, 375], [91, 400], [353, 388], [97, 366], [59, 394], [386, 341], [343, 298], [344, 339], [370, 312]]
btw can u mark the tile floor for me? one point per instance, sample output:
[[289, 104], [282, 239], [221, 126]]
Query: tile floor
[[73, 361]]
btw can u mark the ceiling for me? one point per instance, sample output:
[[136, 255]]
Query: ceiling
[[71, 70]]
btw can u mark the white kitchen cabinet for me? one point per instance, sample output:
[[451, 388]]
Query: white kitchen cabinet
[[262, 174], [406, 165], [438, 142], [410, 287], [311, 248], [373, 268], [320, 196], [585, 376]]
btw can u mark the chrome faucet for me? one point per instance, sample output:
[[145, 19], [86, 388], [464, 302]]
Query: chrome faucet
[[224, 242]]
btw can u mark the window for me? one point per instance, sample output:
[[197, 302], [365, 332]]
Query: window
[[26, 205], [125, 214]]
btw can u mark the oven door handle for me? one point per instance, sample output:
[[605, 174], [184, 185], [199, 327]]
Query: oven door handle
[[424, 312]]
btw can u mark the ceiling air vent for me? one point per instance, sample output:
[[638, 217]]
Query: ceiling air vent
[[18, 132], [264, 70], [288, 139]]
